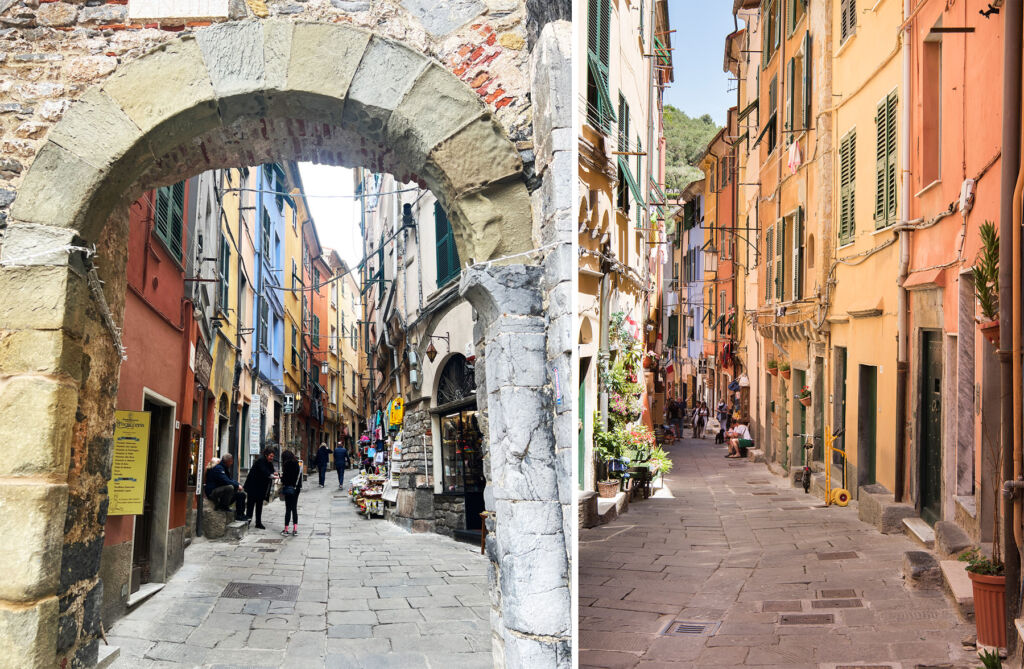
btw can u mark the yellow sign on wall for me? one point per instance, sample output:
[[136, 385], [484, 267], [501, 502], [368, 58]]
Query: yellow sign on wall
[[127, 486]]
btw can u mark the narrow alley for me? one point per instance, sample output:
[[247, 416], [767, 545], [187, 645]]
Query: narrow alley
[[345, 592], [766, 575]]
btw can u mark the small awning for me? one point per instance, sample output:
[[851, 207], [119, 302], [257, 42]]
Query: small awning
[[928, 278]]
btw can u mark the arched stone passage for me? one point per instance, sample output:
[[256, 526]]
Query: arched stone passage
[[243, 93]]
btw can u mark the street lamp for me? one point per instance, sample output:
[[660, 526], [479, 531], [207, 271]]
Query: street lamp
[[325, 367]]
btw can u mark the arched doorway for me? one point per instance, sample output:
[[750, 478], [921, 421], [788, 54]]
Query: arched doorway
[[236, 93], [461, 475]]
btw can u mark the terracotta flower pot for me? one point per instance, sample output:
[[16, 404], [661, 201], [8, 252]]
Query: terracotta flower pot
[[990, 331], [786, 373], [774, 371], [607, 489], [989, 608], [806, 401]]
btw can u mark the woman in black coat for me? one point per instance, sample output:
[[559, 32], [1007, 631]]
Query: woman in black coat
[[291, 485], [257, 485]]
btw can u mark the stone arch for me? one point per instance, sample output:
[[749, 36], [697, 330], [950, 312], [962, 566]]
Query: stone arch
[[242, 93]]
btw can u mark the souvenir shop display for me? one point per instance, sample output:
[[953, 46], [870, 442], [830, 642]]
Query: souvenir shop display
[[367, 493]]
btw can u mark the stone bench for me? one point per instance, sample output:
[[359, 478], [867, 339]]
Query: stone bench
[[221, 524]]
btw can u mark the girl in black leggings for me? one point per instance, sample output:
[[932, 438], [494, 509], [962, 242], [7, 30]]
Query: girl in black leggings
[[291, 482]]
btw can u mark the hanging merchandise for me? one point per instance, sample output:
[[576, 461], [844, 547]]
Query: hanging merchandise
[[397, 412]]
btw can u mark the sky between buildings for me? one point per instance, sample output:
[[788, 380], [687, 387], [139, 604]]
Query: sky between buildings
[[336, 218], [698, 47]]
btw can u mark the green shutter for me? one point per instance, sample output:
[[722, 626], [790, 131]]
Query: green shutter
[[769, 249], [880, 164], [798, 253], [316, 331], [598, 59], [225, 271], [891, 175], [847, 187], [447, 252], [673, 331], [780, 260], [807, 81], [169, 217]]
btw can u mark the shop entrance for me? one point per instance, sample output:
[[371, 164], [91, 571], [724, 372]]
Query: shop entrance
[[462, 460], [149, 550]]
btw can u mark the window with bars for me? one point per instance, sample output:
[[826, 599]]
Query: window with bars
[[169, 218], [447, 252], [600, 113], [885, 161], [847, 19], [847, 190]]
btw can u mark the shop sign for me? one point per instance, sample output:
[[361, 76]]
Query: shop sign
[[254, 432], [127, 486]]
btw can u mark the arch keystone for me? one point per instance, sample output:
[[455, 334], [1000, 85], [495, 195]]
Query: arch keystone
[[493, 222], [477, 155], [233, 53], [322, 63]]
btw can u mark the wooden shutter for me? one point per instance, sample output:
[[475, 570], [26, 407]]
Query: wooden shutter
[[263, 325], [847, 186], [225, 268], [769, 249], [891, 175], [780, 260], [798, 253], [161, 218], [880, 164], [807, 81], [177, 216], [447, 253], [790, 90]]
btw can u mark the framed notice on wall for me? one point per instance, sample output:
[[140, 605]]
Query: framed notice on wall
[[127, 486]]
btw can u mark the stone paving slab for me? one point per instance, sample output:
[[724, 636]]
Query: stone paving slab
[[713, 547], [369, 595]]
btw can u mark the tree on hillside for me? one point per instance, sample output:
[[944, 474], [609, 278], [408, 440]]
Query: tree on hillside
[[686, 138]]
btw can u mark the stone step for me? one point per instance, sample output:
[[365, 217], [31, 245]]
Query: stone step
[[876, 506], [235, 530], [145, 591], [610, 508], [920, 531], [921, 570], [106, 656], [950, 539], [958, 584]]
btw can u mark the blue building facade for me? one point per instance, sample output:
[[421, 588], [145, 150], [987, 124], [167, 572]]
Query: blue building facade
[[269, 277], [693, 305]]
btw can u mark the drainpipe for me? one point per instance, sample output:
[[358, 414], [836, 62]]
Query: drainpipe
[[1010, 168], [1017, 334], [902, 308]]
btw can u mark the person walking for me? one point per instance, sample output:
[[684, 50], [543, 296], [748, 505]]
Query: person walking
[[291, 486], [323, 457], [257, 485], [340, 462], [700, 419]]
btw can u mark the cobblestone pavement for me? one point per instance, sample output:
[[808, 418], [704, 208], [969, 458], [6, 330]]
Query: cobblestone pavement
[[368, 595], [727, 542]]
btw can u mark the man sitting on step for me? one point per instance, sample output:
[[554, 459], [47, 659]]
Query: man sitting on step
[[221, 489]]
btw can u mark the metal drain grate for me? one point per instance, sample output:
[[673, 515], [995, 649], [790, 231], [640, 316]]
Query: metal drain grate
[[239, 590], [266, 550], [781, 606], [839, 555], [688, 628], [841, 593], [836, 604], [807, 619], [270, 541]]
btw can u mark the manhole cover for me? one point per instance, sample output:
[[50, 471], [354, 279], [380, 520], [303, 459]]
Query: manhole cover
[[836, 604], [840, 555], [270, 541], [837, 594], [782, 606], [687, 628], [807, 619], [237, 590], [908, 616]]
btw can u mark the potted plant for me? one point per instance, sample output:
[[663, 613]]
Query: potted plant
[[804, 396], [986, 282], [989, 585], [784, 368], [773, 367], [607, 449]]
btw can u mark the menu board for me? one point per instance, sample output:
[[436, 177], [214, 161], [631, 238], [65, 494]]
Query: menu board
[[127, 486]]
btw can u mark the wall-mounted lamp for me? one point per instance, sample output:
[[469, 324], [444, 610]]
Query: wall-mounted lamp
[[431, 351]]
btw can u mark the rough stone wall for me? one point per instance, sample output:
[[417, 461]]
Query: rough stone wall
[[449, 514], [415, 506]]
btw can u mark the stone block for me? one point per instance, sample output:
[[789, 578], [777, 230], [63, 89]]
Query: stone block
[[96, 129], [755, 455], [950, 539], [42, 298], [442, 18], [959, 585], [32, 544], [28, 634], [551, 86], [40, 352], [517, 359], [451, 104], [875, 506], [56, 14], [235, 530], [57, 188], [215, 523], [322, 62], [36, 418], [586, 508], [477, 155], [494, 222], [234, 56], [386, 72], [920, 531], [183, 105], [921, 570]]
